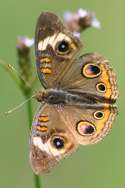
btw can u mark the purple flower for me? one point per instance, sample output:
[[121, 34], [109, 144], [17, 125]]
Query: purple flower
[[24, 42], [80, 20]]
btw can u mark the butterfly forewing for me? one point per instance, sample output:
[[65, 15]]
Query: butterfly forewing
[[91, 74], [55, 48]]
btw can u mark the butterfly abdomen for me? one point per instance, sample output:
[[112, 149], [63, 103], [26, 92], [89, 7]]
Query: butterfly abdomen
[[55, 96]]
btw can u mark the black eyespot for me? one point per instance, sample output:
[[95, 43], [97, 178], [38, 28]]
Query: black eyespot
[[98, 115], [63, 46], [88, 130], [85, 128], [101, 87], [94, 69], [58, 142], [91, 70]]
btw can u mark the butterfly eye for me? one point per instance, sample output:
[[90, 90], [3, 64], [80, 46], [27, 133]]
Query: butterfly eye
[[85, 128], [51, 99], [101, 87], [91, 71], [98, 115], [58, 142], [63, 47]]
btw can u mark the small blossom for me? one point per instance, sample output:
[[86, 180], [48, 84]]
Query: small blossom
[[76, 34], [81, 20], [82, 13], [24, 45], [96, 23], [67, 16], [24, 42]]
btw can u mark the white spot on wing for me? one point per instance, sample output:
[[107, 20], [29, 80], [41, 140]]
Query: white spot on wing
[[42, 45], [38, 143], [60, 37], [45, 42], [47, 147], [51, 40]]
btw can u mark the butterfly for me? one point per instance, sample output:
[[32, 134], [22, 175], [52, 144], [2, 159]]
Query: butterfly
[[77, 104]]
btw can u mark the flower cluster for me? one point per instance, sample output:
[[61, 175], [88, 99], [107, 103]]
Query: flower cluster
[[79, 21], [24, 45]]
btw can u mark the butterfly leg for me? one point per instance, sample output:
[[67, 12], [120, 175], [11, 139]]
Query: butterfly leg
[[40, 96], [60, 107]]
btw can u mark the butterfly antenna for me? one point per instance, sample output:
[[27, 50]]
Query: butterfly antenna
[[18, 106]]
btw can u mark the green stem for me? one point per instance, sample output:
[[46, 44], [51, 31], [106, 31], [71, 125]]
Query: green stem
[[10, 69], [29, 111], [30, 116], [37, 181]]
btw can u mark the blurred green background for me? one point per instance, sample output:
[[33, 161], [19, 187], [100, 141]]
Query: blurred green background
[[97, 166]]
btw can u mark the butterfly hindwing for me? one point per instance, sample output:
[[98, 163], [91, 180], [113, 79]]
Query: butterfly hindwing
[[56, 133], [89, 124], [51, 139]]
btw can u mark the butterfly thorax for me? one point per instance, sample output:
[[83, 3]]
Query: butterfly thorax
[[57, 96]]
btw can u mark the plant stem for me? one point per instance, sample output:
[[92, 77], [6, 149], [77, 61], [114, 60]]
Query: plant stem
[[10, 69], [29, 111], [30, 116], [37, 181]]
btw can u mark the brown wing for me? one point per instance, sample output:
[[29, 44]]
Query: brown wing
[[93, 75], [55, 48], [51, 139], [89, 125]]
